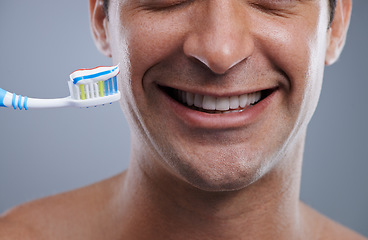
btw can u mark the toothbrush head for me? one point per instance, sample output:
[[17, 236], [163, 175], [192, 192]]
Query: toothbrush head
[[95, 86]]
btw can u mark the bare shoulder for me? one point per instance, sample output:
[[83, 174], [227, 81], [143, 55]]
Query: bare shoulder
[[10, 230], [62, 216], [329, 229]]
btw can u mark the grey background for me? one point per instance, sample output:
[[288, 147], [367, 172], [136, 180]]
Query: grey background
[[44, 152]]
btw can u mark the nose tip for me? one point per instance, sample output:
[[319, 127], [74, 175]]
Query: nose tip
[[219, 57], [220, 37]]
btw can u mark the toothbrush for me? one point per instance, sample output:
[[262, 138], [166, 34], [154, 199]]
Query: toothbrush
[[88, 88]]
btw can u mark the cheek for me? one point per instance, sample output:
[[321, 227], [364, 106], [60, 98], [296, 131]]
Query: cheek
[[287, 49], [153, 40], [139, 43], [297, 50]]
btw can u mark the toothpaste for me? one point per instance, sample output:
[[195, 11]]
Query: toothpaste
[[93, 75]]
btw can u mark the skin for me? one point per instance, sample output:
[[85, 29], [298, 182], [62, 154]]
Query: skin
[[213, 179]]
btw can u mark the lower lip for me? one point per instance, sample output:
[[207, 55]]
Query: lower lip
[[200, 119]]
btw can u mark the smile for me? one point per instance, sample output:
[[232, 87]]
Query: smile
[[209, 111], [216, 105]]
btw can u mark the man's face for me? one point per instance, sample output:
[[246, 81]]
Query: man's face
[[228, 53]]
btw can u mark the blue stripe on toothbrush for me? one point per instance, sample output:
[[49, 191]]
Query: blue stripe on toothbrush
[[2, 96], [115, 85], [19, 102], [25, 103], [106, 88], [13, 101], [110, 86], [77, 79]]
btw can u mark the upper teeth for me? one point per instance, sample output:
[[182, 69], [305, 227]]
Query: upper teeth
[[219, 103]]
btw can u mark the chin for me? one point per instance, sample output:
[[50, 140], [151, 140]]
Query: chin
[[220, 175], [222, 183]]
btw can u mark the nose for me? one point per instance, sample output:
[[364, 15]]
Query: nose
[[220, 36]]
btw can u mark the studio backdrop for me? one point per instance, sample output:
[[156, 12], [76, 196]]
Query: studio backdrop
[[44, 152]]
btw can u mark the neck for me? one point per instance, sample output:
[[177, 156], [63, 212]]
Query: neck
[[169, 208]]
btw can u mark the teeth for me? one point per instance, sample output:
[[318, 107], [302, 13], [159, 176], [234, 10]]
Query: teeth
[[198, 100], [230, 104], [209, 103], [234, 102], [190, 98], [243, 100], [222, 103]]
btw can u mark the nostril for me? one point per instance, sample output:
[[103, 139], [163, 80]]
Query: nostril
[[214, 66], [218, 57]]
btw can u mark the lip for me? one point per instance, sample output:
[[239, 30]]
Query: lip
[[198, 119]]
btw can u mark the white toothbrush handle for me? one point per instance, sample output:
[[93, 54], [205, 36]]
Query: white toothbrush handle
[[70, 102], [49, 103], [8, 99]]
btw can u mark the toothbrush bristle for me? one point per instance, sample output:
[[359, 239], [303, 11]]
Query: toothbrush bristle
[[95, 85], [101, 88], [95, 90]]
